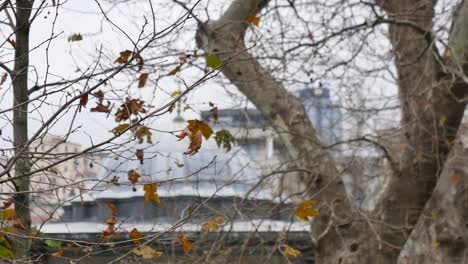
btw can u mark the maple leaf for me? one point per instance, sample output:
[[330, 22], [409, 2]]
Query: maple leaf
[[140, 155], [151, 192], [136, 236], [133, 176], [196, 125], [4, 77], [83, 101], [124, 55], [100, 108], [186, 245], [195, 144], [225, 139], [306, 210], [289, 251], [147, 252], [141, 132], [254, 20], [130, 107], [213, 224], [142, 80], [113, 208]]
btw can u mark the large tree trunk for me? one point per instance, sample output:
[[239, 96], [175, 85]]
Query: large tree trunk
[[441, 235], [431, 112], [21, 244], [341, 234]]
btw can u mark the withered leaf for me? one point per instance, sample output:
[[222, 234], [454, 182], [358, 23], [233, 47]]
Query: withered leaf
[[136, 236], [133, 176], [83, 101], [100, 108], [124, 56], [146, 252], [151, 193], [140, 155], [142, 80], [186, 245]]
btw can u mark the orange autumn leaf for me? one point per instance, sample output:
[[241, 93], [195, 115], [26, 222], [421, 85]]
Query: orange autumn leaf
[[136, 236], [186, 245], [109, 231], [151, 192], [306, 210]]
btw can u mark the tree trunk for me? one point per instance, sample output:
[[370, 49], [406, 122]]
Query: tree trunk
[[21, 244]]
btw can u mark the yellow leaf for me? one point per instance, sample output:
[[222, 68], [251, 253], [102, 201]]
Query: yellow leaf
[[151, 192], [306, 210], [58, 254], [120, 129], [290, 252], [448, 53], [435, 244], [187, 245], [254, 20], [136, 236], [174, 94], [8, 214], [147, 252]]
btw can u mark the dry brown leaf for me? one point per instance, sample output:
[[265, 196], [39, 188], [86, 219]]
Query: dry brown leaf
[[147, 252], [142, 80], [133, 176], [140, 155]]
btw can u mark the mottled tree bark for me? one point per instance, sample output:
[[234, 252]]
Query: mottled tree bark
[[431, 114], [21, 245]]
